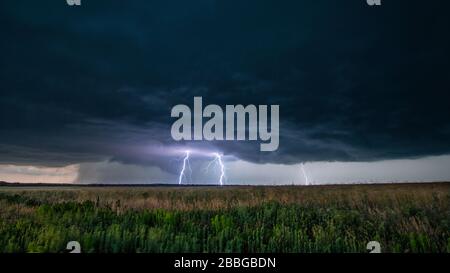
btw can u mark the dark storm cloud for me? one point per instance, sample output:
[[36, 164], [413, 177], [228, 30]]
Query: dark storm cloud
[[98, 81]]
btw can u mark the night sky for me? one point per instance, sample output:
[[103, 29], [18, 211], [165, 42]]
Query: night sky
[[86, 92]]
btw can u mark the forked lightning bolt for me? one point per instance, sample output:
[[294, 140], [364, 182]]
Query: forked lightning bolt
[[183, 170], [217, 161]]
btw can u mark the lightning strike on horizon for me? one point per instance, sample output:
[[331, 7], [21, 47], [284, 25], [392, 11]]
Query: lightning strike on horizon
[[183, 170], [218, 160], [222, 167], [304, 174]]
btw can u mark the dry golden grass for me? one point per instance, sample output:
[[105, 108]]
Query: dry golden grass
[[374, 197]]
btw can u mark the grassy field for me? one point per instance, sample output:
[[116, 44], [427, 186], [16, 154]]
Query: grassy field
[[402, 217]]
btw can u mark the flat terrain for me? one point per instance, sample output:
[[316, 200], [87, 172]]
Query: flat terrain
[[402, 217]]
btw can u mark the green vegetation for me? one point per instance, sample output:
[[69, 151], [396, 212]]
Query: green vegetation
[[403, 218]]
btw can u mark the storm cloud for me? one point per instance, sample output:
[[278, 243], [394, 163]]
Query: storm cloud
[[97, 82]]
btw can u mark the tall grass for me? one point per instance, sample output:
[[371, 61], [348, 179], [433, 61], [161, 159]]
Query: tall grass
[[403, 218]]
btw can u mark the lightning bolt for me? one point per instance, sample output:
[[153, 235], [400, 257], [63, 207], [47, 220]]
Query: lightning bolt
[[222, 167], [183, 170], [304, 174], [217, 161]]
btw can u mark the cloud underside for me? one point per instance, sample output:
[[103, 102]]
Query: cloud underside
[[98, 84]]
